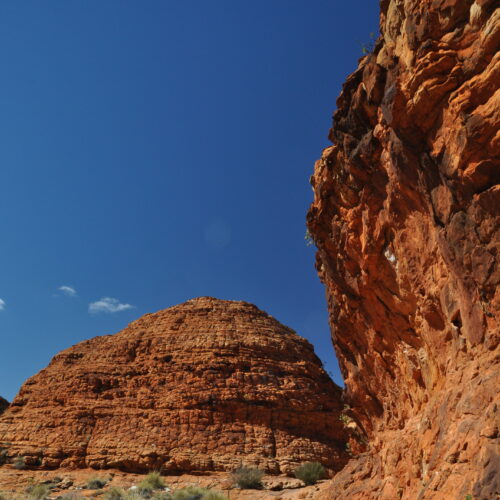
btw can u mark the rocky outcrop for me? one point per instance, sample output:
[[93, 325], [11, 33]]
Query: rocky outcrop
[[205, 385], [406, 221], [4, 404]]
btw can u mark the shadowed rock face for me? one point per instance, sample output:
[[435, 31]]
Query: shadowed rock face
[[205, 385], [3, 404], [406, 221]]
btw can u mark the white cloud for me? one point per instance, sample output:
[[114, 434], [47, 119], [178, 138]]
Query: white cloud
[[68, 290], [2, 305], [108, 305]]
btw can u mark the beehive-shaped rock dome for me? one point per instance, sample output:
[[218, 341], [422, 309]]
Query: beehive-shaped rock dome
[[205, 385]]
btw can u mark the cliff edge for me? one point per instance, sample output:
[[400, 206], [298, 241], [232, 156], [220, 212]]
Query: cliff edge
[[406, 221]]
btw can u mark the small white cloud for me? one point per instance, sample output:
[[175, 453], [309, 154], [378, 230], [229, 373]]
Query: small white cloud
[[108, 305], [68, 290], [2, 305]]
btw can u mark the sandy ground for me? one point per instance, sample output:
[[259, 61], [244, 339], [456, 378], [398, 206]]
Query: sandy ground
[[13, 484]]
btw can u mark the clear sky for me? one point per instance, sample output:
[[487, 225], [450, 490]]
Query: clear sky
[[155, 151]]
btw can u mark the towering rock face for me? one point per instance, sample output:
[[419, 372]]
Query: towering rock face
[[3, 404], [406, 221], [205, 385]]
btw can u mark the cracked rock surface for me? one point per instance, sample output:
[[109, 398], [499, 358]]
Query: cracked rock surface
[[207, 385], [406, 221]]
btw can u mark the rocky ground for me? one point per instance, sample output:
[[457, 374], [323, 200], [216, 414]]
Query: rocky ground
[[13, 484]]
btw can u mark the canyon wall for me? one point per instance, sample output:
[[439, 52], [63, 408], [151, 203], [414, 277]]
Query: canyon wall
[[406, 221], [207, 385]]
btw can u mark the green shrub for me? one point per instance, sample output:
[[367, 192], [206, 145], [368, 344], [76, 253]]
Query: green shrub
[[248, 478], [19, 463], [310, 472], [197, 493], [114, 493], [132, 496], [96, 483], [145, 491], [161, 495], [3, 456], [213, 495], [190, 493], [153, 480], [39, 491]]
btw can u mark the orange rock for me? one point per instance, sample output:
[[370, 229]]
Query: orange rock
[[406, 221], [206, 385]]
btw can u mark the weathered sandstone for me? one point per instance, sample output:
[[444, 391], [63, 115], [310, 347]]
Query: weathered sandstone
[[406, 221], [202, 386]]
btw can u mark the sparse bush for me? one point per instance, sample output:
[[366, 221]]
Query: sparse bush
[[367, 48], [153, 480], [19, 463], [310, 472], [145, 491], [345, 419], [132, 496], [114, 493], [248, 478], [190, 493], [162, 495], [39, 491], [308, 238], [213, 495], [96, 483]]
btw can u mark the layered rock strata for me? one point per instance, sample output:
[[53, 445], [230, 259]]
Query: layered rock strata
[[406, 221], [206, 385]]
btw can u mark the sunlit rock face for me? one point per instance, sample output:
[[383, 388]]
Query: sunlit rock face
[[406, 221], [206, 385]]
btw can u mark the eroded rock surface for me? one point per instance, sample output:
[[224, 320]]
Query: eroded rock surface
[[205, 385], [406, 221]]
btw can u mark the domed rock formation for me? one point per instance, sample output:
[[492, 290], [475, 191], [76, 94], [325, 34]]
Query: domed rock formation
[[406, 221], [4, 404], [205, 385]]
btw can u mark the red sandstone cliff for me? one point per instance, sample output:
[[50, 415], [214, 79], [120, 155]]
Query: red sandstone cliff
[[205, 385], [406, 221]]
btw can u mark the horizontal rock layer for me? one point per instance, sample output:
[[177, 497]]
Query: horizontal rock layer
[[205, 385], [406, 221]]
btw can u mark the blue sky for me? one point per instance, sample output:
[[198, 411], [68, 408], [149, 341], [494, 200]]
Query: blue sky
[[157, 151]]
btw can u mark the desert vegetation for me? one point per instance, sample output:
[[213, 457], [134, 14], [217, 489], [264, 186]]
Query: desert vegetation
[[248, 478], [310, 472]]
